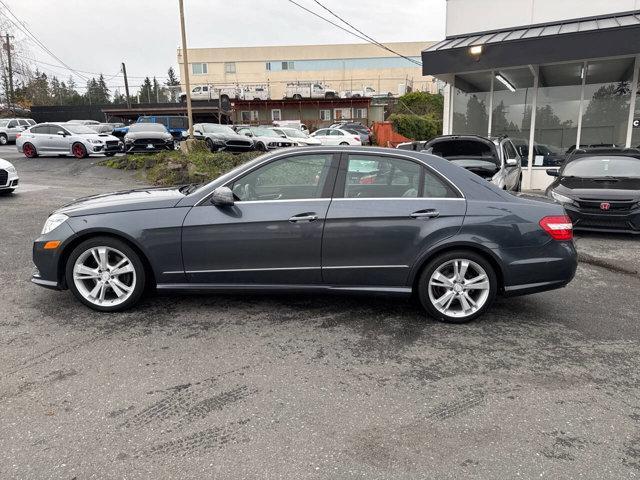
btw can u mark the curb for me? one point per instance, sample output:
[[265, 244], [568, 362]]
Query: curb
[[611, 265]]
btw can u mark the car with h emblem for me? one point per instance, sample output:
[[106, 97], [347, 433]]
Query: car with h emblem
[[600, 189]]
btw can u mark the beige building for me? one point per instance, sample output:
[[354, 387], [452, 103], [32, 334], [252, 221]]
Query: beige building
[[342, 67]]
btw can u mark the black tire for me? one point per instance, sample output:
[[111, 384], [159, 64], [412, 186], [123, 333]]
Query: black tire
[[344, 143], [422, 286], [297, 96], [261, 147], [124, 248], [210, 145], [3, 139], [109, 154]]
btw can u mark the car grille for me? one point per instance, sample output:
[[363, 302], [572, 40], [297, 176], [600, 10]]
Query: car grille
[[4, 175], [238, 143], [592, 205], [605, 222], [156, 142], [112, 143]]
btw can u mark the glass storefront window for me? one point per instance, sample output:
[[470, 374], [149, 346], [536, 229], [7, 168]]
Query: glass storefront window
[[511, 115], [607, 95], [471, 104], [557, 110]]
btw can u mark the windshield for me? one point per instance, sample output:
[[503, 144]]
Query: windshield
[[147, 127], [73, 128], [594, 167], [264, 132], [213, 128], [294, 133]]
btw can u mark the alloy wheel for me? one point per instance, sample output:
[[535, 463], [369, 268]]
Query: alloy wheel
[[78, 151], [104, 276], [3, 140], [458, 288], [29, 150]]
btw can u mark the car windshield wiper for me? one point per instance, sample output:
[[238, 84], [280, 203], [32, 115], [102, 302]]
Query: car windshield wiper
[[188, 189]]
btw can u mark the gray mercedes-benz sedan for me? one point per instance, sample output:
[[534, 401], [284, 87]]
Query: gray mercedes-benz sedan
[[348, 219]]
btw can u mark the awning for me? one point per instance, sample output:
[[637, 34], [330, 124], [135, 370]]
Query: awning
[[576, 39]]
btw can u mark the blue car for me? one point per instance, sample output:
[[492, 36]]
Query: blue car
[[177, 126]]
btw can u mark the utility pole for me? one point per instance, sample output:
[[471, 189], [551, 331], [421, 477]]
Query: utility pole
[[8, 47], [185, 63], [126, 84]]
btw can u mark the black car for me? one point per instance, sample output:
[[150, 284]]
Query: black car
[[600, 189], [148, 137], [222, 137], [297, 220]]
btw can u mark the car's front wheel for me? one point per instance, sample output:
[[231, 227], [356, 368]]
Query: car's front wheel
[[457, 287], [79, 150], [105, 274], [3, 139]]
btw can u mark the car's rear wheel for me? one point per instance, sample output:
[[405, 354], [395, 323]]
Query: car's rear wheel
[[297, 96], [79, 150], [344, 143], [105, 274], [3, 139], [29, 150], [457, 287]]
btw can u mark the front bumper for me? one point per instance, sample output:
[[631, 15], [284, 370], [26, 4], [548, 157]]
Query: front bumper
[[11, 181], [611, 221], [149, 146], [49, 268]]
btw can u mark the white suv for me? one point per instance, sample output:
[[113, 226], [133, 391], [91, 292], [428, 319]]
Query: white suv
[[10, 127]]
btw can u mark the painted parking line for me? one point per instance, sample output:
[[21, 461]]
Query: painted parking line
[[33, 187]]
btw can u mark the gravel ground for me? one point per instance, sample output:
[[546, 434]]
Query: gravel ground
[[546, 386]]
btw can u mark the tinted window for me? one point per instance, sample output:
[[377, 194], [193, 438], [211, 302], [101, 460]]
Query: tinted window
[[322, 132], [371, 176], [291, 178], [590, 167], [435, 187], [509, 151], [145, 120], [40, 129], [13, 123], [335, 133], [23, 122], [178, 122]]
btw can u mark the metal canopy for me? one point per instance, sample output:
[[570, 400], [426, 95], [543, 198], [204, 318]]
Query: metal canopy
[[576, 39]]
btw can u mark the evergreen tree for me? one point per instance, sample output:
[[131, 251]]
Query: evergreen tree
[[146, 91], [173, 84]]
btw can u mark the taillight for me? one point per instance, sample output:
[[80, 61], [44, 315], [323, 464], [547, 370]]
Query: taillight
[[559, 228], [18, 135]]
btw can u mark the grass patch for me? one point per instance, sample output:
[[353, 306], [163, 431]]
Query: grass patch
[[176, 168]]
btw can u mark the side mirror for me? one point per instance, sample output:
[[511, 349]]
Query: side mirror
[[552, 172], [248, 134], [197, 132], [60, 132], [222, 197], [512, 162]]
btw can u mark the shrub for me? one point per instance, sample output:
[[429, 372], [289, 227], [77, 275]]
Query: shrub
[[416, 127], [175, 167]]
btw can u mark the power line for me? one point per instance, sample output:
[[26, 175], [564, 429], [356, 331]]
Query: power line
[[372, 40], [360, 35], [24, 29]]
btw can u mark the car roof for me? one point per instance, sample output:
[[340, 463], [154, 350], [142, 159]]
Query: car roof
[[603, 151]]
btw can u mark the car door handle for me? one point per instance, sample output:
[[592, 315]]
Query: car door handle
[[304, 217], [425, 214]]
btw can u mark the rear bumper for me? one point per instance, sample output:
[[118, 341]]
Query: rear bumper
[[538, 269]]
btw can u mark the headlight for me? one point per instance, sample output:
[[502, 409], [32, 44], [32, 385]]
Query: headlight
[[561, 198], [95, 141], [53, 222], [11, 169]]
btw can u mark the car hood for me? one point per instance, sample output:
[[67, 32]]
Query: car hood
[[306, 141], [161, 135], [598, 189], [227, 136], [100, 136], [5, 164], [124, 201]]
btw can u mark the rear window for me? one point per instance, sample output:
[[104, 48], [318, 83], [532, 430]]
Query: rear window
[[464, 150], [178, 122]]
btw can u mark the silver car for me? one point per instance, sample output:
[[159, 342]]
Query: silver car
[[10, 127], [265, 138], [66, 139]]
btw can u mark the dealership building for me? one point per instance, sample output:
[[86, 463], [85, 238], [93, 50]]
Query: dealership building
[[552, 75]]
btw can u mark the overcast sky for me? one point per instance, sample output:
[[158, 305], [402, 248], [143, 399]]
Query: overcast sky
[[96, 35]]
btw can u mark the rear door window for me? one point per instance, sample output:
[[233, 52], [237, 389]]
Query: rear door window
[[372, 176]]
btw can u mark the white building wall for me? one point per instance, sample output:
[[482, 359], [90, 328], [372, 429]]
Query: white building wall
[[468, 16]]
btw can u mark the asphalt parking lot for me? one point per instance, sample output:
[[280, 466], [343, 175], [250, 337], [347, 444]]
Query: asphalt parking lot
[[545, 386]]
